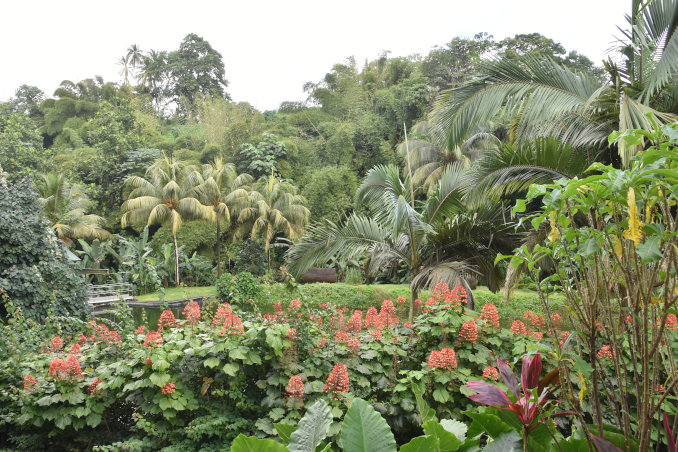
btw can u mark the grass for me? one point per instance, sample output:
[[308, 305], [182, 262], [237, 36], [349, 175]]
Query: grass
[[180, 293]]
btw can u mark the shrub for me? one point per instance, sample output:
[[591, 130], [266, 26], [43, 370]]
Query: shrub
[[34, 270], [240, 288]]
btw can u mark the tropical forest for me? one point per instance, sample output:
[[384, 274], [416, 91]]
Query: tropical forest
[[473, 248]]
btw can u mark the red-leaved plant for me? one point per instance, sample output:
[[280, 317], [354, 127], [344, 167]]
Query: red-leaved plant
[[534, 402]]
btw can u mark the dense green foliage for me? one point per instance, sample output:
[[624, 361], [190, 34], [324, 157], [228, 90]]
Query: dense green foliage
[[35, 273]]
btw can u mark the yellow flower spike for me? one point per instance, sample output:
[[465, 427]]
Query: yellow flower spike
[[555, 233], [617, 246], [582, 385], [635, 231]]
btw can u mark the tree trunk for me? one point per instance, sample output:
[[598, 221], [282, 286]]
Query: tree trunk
[[413, 295], [218, 248], [176, 260]]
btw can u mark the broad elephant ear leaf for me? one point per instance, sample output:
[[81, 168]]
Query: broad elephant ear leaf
[[365, 430], [312, 429], [251, 444]]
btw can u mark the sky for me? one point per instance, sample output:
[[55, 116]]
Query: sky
[[271, 48]]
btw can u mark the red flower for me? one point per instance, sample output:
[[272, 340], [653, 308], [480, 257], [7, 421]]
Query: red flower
[[671, 321], [82, 340], [295, 389], [556, 319], [605, 352], [518, 327], [192, 312], [277, 308], [355, 323], [72, 368], [322, 342], [232, 325], [166, 319], [442, 359], [537, 336], [337, 382], [30, 383], [490, 314], [388, 314], [353, 345], [57, 369], [373, 319], [375, 334], [74, 350], [341, 336], [538, 321], [168, 389], [270, 318], [468, 332], [528, 315], [92, 388], [418, 304], [401, 300], [408, 325], [295, 305], [141, 329], [292, 334], [149, 362], [491, 372], [56, 344], [152, 339]]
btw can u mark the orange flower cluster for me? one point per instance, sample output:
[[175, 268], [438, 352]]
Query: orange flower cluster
[[295, 389], [192, 312], [605, 352], [223, 311], [149, 361], [166, 319], [442, 359], [337, 382], [355, 323], [74, 350], [322, 342], [295, 305], [418, 304], [491, 372], [388, 314], [518, 327], [556, 319], [232, 325], [353, 345], [82, 340], [168, 389], [490, 314], [30, 383], [340, 337], [92, 388], [277, 308], [141, 330], [372, 319], [152, 339], [103, 334], [468, 332], [270, 318], [407, 325], [449, 298], [538, 322], [401, 300], [292, 334], [671, 321], [375, 334], [536, 336], [65, 370], [56, 344]]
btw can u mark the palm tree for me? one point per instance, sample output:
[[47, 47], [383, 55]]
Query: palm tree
[[428, 156], [165, 196], [66, 206], [400, 229], [546, 99], [134, 56], [274, 207], [225, 192], [125, 71]]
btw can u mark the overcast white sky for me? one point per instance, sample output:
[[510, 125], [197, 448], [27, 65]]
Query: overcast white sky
[[271, 48]]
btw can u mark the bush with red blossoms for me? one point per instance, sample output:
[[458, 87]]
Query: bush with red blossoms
[[373, 319], [30, 383], [518, 327], [295, 391], [166, 319], [353, 345], [93, 387], [337, 381], [152, 339], [169, 388], [490, 314], [56, 344], [605, 352], [355, 323], [292, 334], [74, 350], [538, 322], [388, 314], [442, 359], [192, 312], [468, 333], [491, 372]]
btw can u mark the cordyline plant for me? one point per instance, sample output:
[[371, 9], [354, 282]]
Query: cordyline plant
[[535, 403], [613, 237]]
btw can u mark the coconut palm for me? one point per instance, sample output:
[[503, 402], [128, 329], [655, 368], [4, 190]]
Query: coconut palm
[[125, 69], [226, 192], [274, 207], [165, 196], [400, 229], [134, 56], [543, 98], [66, 206]]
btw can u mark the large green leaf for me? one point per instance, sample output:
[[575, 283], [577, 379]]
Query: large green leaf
[[487, 423], [312, 428], [506, 442], [446, 440], [455, 427], [365, 430], [284, 431], [421, 444], [251, 444], [425, 411]]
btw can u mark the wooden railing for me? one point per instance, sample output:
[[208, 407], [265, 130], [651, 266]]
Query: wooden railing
[[106, 293]]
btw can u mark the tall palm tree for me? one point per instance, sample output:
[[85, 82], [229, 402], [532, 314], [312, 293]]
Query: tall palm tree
[[226, 192], [134, 56], [125, 69], [400, 229], [546, 99], [274, 207], [66, 206], [165, 196]]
